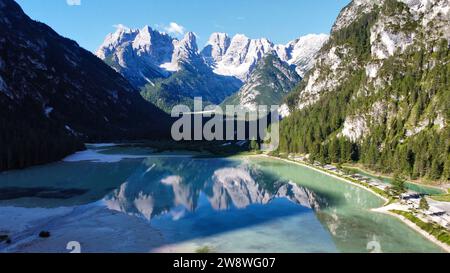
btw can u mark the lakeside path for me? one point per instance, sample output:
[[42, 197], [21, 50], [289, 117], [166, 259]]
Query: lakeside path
[[385, 209]]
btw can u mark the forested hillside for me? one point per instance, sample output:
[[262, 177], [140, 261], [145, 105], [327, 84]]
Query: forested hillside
[[54, 96], [380, 92]]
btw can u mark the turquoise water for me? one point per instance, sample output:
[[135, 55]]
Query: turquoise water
[[411, 186], [229, 205]]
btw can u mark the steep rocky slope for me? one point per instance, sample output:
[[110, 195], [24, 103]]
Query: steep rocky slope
[[137, 54], [379, 93], [268, 84]]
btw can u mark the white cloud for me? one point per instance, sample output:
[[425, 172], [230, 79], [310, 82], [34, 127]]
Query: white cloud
[[175, 28], [121, 26], [73, 2]]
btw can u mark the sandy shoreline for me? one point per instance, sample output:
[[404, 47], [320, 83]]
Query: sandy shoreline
[[384, 209]]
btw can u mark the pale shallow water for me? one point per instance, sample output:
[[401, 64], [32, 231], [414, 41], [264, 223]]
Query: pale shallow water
[[179, 203]]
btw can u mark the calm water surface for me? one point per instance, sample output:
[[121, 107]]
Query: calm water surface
[[118, 199]]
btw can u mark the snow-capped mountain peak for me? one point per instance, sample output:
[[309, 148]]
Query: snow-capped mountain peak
[[239, 55], [143, 40], [185, 51], [137, 53], [188, 44], [216, 47], [145, 54], [301, 52], [113, 40]]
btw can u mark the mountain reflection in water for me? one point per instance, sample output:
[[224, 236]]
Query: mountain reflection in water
[[168, 203], [161, 187]]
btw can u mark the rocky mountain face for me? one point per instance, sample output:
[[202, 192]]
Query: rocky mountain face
[[54, 95], [167, 70], [268, 84], [190, 77], [131, 52], [238, 56], [171, 71], [302, 52], [185, 52], [137, 54], [379, 92]]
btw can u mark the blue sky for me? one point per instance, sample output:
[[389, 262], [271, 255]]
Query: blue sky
[[89, 21]]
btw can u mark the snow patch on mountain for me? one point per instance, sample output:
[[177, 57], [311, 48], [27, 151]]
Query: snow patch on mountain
[[302, 52], [170, 66], [242, 56]]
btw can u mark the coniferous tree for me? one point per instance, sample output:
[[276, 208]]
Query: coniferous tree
[[423, 205]]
